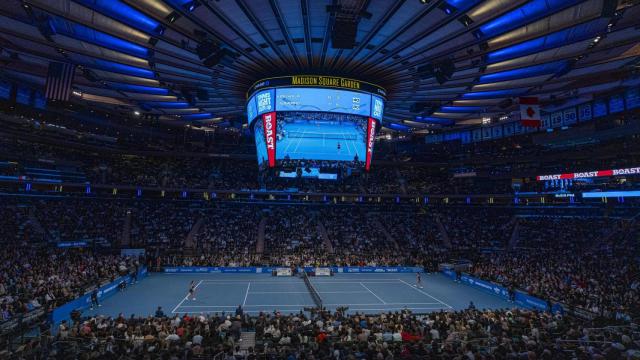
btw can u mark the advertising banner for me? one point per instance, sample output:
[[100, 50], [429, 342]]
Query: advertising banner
[[323, 271], [521, 298], [270, 270], [488, 286], [84, 302], [270, 129], [529, 301], [590, 174], [371, 138]]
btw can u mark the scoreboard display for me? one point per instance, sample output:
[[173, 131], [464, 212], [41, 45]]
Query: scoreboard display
[[323, 100], [315, 100], [314, 118]]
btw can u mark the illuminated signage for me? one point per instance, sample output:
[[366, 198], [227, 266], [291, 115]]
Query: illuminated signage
[[317, 81], [590, 174], [269, 123], [371, 137]]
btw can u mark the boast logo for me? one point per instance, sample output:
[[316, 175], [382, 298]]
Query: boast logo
[[549, 177], [268, 130], [586, 174], [371, 137], [629, 171], [269, 123]]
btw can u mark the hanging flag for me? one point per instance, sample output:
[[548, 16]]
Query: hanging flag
[[530, 112], [59, 81]]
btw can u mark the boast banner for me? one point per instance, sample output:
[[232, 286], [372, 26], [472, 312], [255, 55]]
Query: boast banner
[[371, 138], [590, 174], [269, 125]]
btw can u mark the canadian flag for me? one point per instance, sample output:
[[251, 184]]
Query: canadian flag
[[530, 112]]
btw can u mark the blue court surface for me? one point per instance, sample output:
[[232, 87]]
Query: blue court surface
[[320, 140], [364, 293]]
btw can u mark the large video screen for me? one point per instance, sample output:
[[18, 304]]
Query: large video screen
[[326, 100], [315, 136], [309, 123], [315, 100], [320, 136]]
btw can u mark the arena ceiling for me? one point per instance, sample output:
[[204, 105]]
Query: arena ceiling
[[142, 55]]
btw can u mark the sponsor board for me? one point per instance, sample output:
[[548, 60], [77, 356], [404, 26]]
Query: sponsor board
[[590, 174], [63, 312]]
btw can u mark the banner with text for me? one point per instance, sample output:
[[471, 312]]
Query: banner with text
[[270, 129], [371, 138], [270, 270], [84, 302], [590, 174]]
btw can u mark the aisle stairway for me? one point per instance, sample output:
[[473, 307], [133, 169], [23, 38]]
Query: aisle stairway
[[125, 235], [402, 182], [515, 235], [247, 340], [384, 231], [322, 231], [443, 231], [260, 239], [189, 241]]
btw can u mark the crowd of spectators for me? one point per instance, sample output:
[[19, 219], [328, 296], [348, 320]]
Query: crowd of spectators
[[467, 334], [586, 263], [33, 277], [579, 258], [478, 227]]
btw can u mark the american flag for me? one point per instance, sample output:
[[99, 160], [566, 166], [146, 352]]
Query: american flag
[[59, 80]]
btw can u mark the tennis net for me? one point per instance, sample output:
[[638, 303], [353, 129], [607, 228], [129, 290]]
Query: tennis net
[[312, 290], [318, 135]]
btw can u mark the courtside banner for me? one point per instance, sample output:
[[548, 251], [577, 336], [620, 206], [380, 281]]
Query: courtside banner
[[214, 270], [269, 125], [323, 271], [63, 312], [269, 270], [521, 298], [590, 174], [529, 301], [493, 288], [371, 138]]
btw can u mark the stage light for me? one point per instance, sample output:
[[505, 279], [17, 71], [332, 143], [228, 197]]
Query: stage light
[[136, 113]]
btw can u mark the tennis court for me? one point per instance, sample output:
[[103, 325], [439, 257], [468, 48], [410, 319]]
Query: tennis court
[[308, 140], [365, 293]]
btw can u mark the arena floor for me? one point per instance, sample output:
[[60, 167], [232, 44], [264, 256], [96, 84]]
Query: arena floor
[[364, 293]]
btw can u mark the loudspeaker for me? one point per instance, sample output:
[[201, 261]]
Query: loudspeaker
[[203, 95], [89, 75], [343, 35], [223, 56], [188, 95], [506, 103], [609, 8], [206, 49]]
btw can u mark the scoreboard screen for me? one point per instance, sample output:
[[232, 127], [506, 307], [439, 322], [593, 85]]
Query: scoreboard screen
[[315, 100], [323, 100], [314, 118]]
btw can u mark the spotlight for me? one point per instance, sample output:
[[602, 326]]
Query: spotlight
[[172, 17], [136, 113]]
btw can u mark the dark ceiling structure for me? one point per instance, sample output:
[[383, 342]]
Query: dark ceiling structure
[[443, 62]]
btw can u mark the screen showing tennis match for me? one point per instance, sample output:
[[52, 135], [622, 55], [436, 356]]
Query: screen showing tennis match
[[307, 123]]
